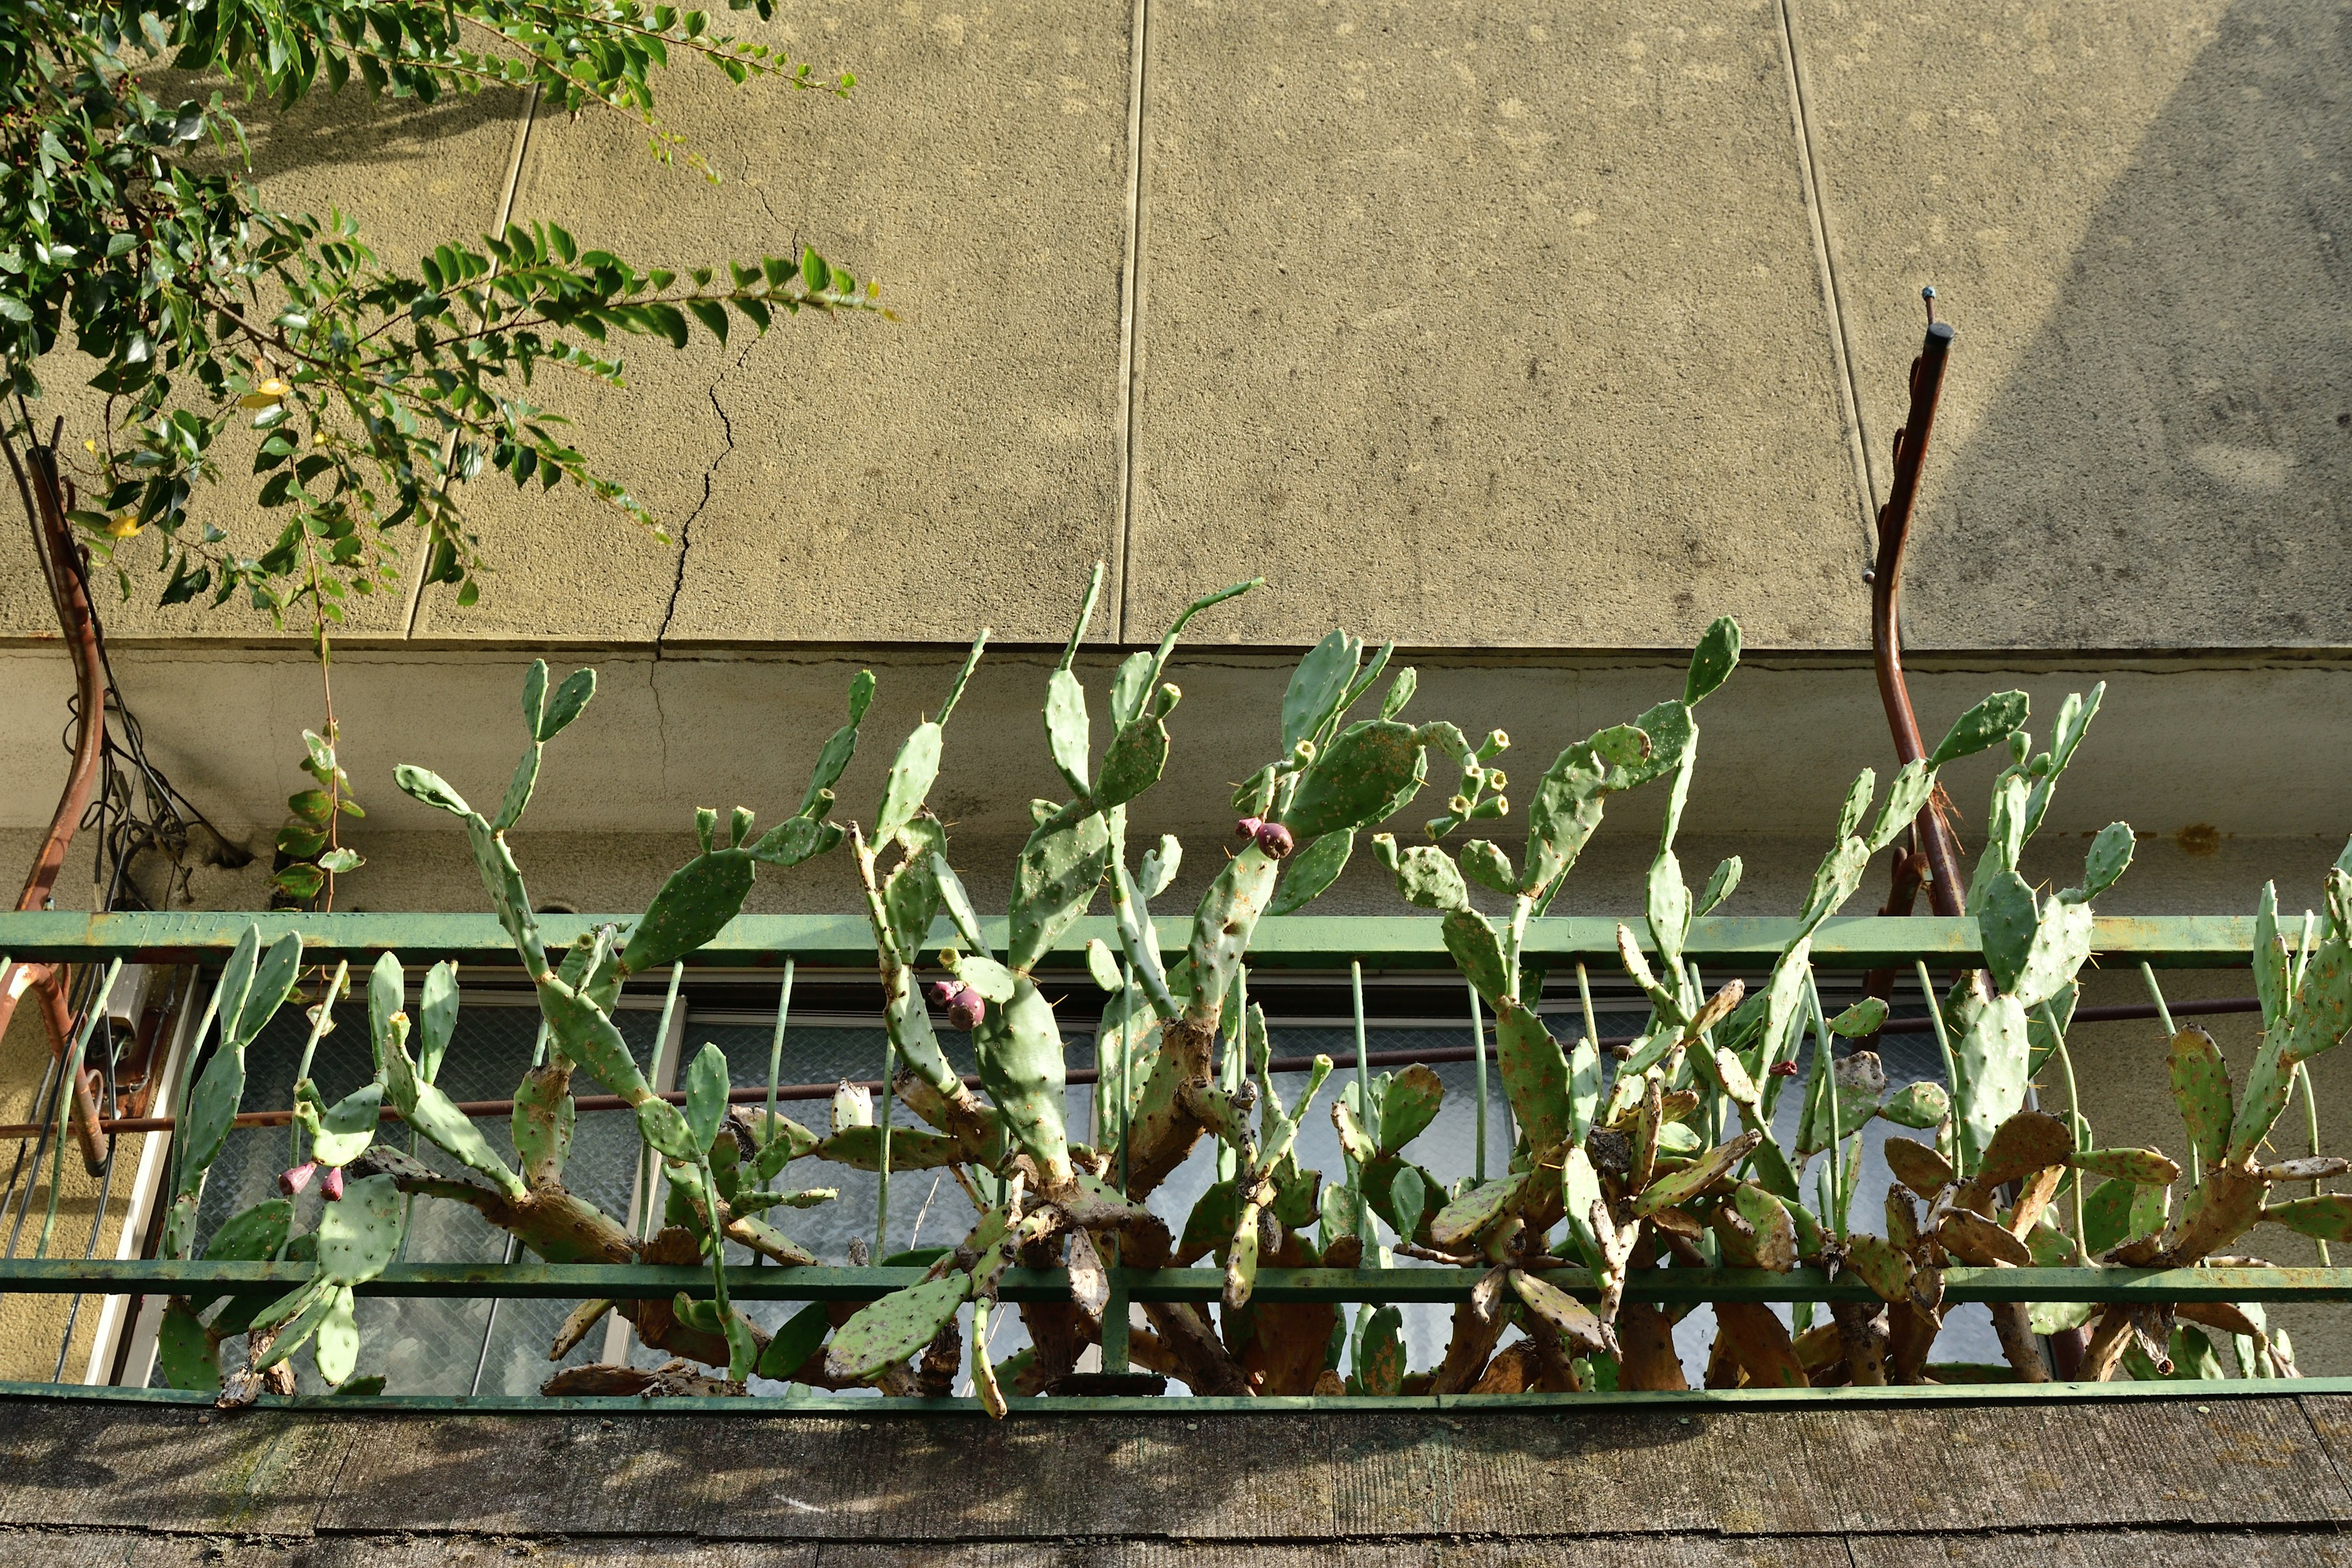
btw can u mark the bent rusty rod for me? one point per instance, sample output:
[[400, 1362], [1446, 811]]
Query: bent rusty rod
[[1929, 834], [42, 491]]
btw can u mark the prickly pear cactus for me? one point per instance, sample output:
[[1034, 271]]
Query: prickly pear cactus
[[1670, 1151]]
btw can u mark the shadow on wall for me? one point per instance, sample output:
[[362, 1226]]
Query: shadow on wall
[[334, 132], [2179, 433]]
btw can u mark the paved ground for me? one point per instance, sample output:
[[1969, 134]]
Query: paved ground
[[2258, 1480]]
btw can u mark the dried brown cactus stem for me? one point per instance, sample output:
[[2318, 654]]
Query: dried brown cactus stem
[[2012, 1326], [1054, 1326], [1167, 1121], [1554, 1362], [1863, 1331], [1184, 1342], [1468, 1351], [1911, 1339]]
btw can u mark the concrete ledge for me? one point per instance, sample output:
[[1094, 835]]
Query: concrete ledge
[[90, 1481]]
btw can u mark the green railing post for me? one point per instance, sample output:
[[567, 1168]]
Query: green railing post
[[776, 1060], [1943, 1046], [1478, 1076], [2163, 1016], [648, 1168], [1363, 1099], [1115, 1324], [882, 1163], [2078, 1124], [2311, 1129], [319, 1024]]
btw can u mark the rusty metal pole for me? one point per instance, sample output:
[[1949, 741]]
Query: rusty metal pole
[[42, 491], [1931, 836]]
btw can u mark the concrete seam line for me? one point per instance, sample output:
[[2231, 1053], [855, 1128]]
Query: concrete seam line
[[505, 216], [1122, 536], [1809, 165]]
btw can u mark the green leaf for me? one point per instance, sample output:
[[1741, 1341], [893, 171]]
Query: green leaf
[[1865, 1017], [1713, 661], [1409, 1105], [338, 1347], [183, 1352], [1021, 1065], [1054, 880], [1566, 808], [1988, 723], [1372, 770], [436, 1018], [273, 981], [1307, 874], [360, 1236], [891, 1330], [1066, 729], [693, 906], [1535, 1073], [1906, 795], [1317, 686], [911, 775], [801, 1337], [1485, 864], [711, 314], [569, 699], [1379, 1364], [253, 1235], [347, 1127], [2007, 920], [1428, 878], [706, 1095], [1721, 885], [427, 787], [1478, 952], [534, 696]]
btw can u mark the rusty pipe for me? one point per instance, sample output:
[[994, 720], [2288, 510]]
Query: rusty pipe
[[1932, 835], [41, 490]]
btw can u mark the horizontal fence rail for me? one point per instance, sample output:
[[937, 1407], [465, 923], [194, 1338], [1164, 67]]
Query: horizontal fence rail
[[1429, 1284], [1290, 942]]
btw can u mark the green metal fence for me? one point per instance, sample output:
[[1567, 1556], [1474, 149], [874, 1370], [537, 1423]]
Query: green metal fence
[[775, 945]]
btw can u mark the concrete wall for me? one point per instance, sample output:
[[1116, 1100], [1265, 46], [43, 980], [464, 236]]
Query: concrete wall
[[1525, 324]]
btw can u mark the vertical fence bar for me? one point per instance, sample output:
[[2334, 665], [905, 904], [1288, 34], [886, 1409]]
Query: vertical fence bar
[[491, 1322], [1478, 1060], [1825, 1058], [1126, 1086], [1363, 1092], [319, 1024], [1943, 1041], [882, 1164], [776, 1046], [179, 1101], [2311, 1127], [1715, 1099], [648, 1168], [2163, 1016], [2078, 1124]]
